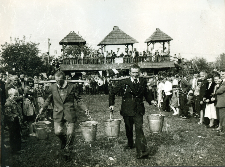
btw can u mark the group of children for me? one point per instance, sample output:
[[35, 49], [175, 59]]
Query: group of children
[[21, 109]]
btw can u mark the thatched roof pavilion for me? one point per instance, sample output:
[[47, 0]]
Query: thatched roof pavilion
[[157, 37], [72, 39], [117, 37]]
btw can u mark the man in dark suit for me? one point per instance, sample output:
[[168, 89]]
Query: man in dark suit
[[220, 103], [63, 95], [132, 108]]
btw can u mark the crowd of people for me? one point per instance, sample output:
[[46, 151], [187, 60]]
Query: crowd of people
[[200, 95], [109, 57]]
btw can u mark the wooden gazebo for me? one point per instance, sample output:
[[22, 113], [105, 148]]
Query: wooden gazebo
[[72, 39], [157, 37], [117, 37]]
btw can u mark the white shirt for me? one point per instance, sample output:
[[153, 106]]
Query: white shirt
[[160, 86], [168, 88], [194, 83], [132, 79], [175, 82]]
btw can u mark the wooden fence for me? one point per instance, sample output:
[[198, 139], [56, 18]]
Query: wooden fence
[[110, 60]]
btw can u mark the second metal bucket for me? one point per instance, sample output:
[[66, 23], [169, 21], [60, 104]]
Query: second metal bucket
[[89, 129], [42, 131], [112, 128], [155, 122]]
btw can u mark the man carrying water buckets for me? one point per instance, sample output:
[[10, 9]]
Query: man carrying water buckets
[[132, 108], [63, 95]]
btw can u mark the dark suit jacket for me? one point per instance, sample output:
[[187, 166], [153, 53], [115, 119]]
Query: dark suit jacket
[[202, 90], [220, 93], [2, 93], [209, 91], [185, 85], [132, 99], [64, 108]]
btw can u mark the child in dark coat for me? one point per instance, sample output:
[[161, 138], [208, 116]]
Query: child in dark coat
[[13, 115]]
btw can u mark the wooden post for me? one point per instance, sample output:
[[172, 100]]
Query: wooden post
[[168, 47], [63, 49]]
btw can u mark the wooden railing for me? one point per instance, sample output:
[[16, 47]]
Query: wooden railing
[[110, 60]]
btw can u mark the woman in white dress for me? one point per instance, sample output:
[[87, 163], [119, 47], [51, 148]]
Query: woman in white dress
[[210, 109]]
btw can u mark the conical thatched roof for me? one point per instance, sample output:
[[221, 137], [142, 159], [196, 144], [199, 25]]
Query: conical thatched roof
[[158, 36], [72, 39], [117, 37]]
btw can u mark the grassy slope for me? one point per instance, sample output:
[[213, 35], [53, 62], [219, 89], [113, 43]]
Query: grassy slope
[[182, 143]]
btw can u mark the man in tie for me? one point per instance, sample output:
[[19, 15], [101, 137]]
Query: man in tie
[[133, 90], [63, 96], [220, 93]]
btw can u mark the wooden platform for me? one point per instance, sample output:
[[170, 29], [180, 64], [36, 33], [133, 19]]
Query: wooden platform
[[102, 67]]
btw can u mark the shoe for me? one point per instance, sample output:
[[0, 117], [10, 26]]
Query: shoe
[[184, 117], [127, 147], [218, 129], [23, 141], [32, 134], [200, 123], [143, 155], [208, 126], [221, 134]]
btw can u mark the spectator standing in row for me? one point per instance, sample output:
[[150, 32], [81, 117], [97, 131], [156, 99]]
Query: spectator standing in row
[[13, 115], [210, 109], [168, 95], [220, 105], [197, 107], [203, 76], [29, 106]]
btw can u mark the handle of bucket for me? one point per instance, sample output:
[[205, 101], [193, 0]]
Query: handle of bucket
[[160, 113], [111, 113], [36, 118]]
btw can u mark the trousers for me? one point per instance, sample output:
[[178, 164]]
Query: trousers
[[140, 141], [65, 132]]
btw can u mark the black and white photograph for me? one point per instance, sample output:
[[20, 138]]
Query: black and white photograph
[[98, 83]]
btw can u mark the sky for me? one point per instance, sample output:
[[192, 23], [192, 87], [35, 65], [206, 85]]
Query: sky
[[196, 26]]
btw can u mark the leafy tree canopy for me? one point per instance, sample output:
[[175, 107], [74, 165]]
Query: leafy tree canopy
[[21, 57], [200, 63], [75, 50]]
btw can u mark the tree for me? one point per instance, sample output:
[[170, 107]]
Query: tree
[[200, 63], [75, 50], [21, 57], [220, 62]]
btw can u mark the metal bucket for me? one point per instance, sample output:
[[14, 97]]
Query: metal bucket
[[89, 129], [155, 122], [112, 128], [41, 129]]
